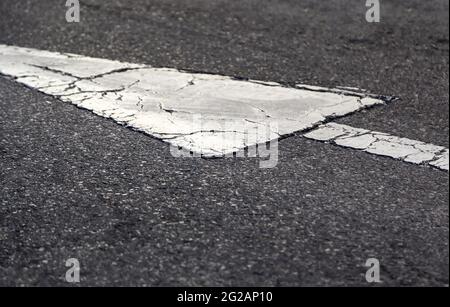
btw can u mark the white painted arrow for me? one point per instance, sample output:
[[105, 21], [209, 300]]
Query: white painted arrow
[[208, 114]]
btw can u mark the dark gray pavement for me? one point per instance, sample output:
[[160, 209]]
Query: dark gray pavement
[[77, 185]]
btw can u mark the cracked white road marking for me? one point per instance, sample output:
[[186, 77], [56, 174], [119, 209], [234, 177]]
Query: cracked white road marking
[[163, 102], [382, 144]]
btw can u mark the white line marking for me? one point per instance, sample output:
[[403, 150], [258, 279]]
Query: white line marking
[[382, 144], [163, 102]]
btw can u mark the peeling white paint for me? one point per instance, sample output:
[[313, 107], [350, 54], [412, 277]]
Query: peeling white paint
[[382, 144], [163, 102]]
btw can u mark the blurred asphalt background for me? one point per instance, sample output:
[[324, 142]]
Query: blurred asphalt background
[[76, 185]]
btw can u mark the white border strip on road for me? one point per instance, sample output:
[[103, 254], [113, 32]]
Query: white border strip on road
[[382, 144]]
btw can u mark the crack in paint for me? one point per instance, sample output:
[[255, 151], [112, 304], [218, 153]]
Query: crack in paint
[[65, 73]]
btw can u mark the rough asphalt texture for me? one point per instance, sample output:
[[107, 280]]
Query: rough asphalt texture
[[77, 185]]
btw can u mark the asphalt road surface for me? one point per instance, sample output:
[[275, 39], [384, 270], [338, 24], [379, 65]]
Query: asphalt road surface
[[76, 185]]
